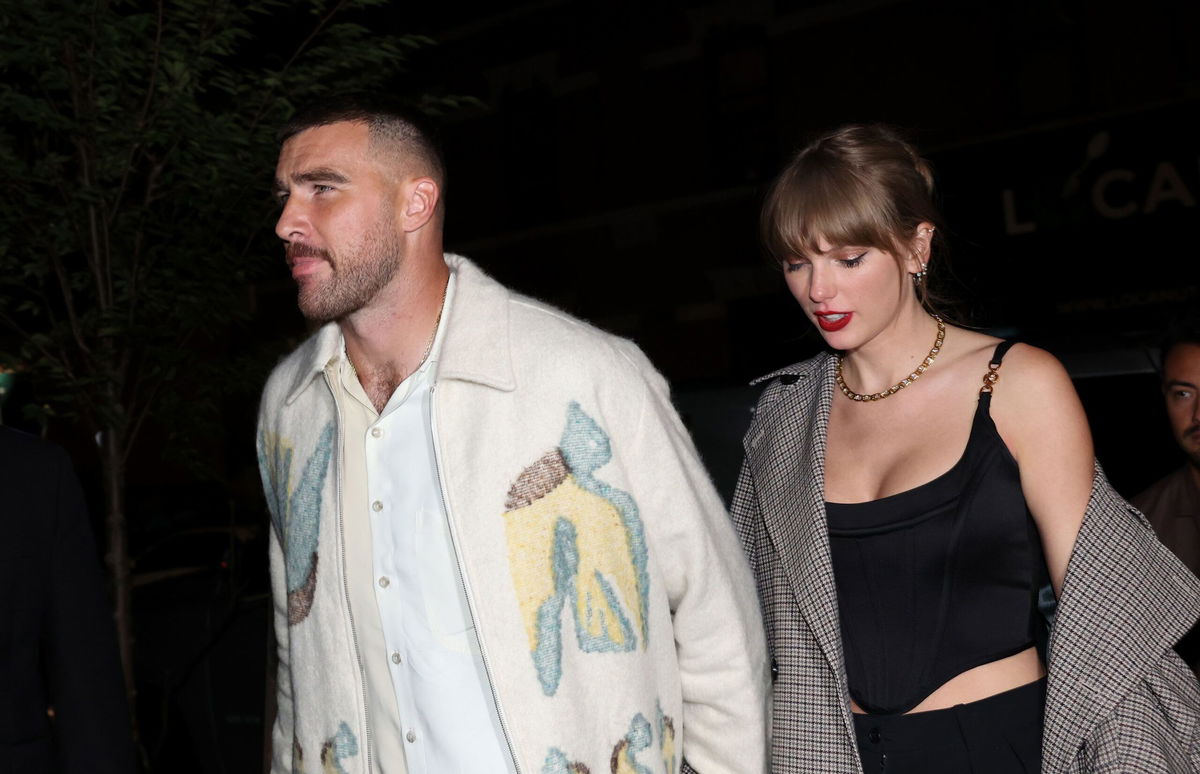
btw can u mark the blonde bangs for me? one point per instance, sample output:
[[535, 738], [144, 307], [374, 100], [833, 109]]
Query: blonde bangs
[[815, 202]]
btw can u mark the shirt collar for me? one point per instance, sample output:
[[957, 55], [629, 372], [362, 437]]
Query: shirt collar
[[472, 342]]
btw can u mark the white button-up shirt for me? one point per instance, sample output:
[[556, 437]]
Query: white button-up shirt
[[429, 702]]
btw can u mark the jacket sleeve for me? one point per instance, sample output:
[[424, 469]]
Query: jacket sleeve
[[720, 645], [1153, 729], [1119, 699], [82, 662], [282, 731]]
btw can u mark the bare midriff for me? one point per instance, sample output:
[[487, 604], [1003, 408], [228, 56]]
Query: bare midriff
[[980, 683]]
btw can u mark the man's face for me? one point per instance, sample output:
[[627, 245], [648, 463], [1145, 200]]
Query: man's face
[[1181, 376], [338, 223]]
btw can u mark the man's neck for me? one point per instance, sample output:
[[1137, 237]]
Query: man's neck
[[1193, 470], [389, 339]]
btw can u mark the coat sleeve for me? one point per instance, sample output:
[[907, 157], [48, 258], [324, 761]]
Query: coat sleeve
[[91, 715], [1153, 730], [720, 644], [282, 730], [1119, 699]]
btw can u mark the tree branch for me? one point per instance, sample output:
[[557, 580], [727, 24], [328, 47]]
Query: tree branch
[[143, 114], [27, 336], [324, 22], [64, 286]]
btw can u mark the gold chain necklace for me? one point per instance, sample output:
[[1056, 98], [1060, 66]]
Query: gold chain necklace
[[900, 385], [428, 346]]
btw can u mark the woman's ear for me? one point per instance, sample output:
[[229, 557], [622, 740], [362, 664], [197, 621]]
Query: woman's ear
[[920, 245]]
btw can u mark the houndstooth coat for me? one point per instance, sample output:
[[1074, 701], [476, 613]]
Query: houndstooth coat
[[1118, 699]]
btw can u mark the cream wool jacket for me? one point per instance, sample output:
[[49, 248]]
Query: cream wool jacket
[[616, 614]]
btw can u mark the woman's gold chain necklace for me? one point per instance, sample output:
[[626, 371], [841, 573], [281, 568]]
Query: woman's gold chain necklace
[[900, 385]]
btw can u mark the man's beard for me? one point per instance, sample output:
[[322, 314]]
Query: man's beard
[[1189, 441], [354, 280]]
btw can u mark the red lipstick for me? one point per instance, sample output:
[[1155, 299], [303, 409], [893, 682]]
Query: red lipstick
[[833, 321]]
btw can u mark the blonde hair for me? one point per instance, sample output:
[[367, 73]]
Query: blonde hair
[[860, 185]]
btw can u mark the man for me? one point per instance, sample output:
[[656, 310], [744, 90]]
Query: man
[[494, 546], [1173, 503], [62, 700]]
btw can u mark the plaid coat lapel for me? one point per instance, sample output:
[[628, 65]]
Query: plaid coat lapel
[[785, 449]]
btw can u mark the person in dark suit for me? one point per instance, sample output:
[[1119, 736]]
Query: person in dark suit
[[62, 701]]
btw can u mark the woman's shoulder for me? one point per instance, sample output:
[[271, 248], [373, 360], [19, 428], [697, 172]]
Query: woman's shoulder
[[1033, 375], [1035, 405], [1029, 387], [1022, 364]]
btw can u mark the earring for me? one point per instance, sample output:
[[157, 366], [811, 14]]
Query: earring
[[919, 276]]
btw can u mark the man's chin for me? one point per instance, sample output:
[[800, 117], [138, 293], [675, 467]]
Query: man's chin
[[315, 311]]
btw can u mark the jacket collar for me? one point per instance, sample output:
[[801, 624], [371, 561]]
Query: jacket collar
[[786, 451], [804, 369], [476, 347]]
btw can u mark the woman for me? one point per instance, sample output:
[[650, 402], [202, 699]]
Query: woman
[[904, 498]]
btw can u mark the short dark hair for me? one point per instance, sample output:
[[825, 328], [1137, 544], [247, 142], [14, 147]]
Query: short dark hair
[[390, 125], [1184, 329]]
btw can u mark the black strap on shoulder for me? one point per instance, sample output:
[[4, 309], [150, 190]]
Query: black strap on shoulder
[[1001, 349], [993, 373]]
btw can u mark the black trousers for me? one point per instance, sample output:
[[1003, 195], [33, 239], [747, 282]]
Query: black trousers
[[1001, 734]]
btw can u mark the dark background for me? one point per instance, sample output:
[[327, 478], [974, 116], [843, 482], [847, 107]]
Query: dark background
[[614, 165]]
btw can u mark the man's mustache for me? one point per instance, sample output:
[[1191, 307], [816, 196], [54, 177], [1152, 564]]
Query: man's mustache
[[294, 250]]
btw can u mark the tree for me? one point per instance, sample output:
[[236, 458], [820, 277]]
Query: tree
[[137, 140]]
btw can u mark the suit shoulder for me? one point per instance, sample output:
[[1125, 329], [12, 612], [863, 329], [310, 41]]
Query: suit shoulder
[[1151, 500], [27, 460], [16, 445]]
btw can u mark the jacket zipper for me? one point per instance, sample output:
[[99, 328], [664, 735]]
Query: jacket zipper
[[362, 672], [462, 579]]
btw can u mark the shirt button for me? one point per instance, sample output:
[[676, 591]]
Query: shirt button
[[377, 506], [384, 582], [411, 736], [376, 432], [395, 658]]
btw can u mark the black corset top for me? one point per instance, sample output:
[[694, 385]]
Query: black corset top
[[938, 579]]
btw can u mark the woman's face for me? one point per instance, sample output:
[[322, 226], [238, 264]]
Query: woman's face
[[850, 293]]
